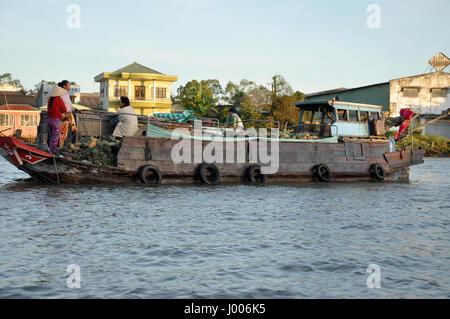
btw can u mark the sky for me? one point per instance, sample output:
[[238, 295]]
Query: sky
[[315, 45]]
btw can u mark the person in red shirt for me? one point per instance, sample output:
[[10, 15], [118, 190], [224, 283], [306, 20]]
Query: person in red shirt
[[55, 109]]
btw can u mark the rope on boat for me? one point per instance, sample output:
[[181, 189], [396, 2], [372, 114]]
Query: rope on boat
[[56, 168]]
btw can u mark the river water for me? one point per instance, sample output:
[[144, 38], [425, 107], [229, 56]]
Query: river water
[[305, 240]]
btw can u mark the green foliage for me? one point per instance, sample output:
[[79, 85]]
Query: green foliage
[[199, 97], [100, 153], [391, 133], [299, 96], [249, 93], [248, 112], [224, 115], [251, 98], [434, 145], [284, 110], [280, 86]]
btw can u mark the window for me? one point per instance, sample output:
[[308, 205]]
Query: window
[[160, 93], [411, 92], [354, 116], [28, 120], [364, 115], [343, 115], [436, 93], [139, 92], [121, 91], [6, 120]]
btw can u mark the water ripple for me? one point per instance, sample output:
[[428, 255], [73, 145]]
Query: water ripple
[[305, 240]]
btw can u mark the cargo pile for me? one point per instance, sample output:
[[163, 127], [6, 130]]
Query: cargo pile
[[94, 150], [298, 136]]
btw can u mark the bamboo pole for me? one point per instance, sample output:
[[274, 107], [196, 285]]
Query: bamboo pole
[[431, 122]]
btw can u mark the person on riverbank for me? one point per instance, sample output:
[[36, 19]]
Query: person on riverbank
[[56, 108], [127, 122], [233, 120]]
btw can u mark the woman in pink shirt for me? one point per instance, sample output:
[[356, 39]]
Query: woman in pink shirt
[[66, 97]]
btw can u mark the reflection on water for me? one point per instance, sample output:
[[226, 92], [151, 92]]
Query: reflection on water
[[236, 241]]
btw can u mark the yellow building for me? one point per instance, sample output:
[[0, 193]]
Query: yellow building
[[149, 91]]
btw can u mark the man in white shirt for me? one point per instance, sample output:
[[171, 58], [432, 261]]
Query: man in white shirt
[[127, 124]]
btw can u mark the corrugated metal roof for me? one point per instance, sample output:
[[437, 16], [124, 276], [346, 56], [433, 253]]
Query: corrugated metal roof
[[90, 101], [326, 92], [17, 107], [344, 90]]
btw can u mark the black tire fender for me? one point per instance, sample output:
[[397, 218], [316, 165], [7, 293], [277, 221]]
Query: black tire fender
[[254, 175], [322, 173], [209, 174], [377, 171], [155, 178]]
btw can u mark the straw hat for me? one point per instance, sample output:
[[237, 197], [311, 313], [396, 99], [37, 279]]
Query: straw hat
[[58, 91]]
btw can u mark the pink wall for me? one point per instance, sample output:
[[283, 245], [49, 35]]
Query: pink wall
[[27, 131]]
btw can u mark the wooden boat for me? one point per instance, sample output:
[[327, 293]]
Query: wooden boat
[[338, 142]]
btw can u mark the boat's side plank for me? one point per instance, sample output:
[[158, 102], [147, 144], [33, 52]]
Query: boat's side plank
[[347, 160], [352, 158]]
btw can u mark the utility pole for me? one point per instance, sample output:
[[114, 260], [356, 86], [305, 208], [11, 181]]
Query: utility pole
[[274, 92], [274, 86]]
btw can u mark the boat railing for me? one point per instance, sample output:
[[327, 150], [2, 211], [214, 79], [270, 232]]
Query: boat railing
[[211, 122], [1, 132], [206, 121], [313, 130], [267, 122], [226, 129], [110, 116]]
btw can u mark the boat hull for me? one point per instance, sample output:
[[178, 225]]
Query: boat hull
[[348, 160]]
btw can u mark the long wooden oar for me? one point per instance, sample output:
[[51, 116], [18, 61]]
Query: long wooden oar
[[431, 122]]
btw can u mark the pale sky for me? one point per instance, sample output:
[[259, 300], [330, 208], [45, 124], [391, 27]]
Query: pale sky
[[315, 45]]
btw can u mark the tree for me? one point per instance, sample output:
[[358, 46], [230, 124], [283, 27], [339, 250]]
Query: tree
[[284, 110], [248, 96], [247, 92], [215, 87], [6, 78], [280, 86], [259, 96], [299, 96], [199, 96]]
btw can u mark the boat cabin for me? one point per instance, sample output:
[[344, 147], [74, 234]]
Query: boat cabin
[[334, 118], [19, 118]]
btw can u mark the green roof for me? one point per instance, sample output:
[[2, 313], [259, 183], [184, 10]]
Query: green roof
[[136, 68]]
